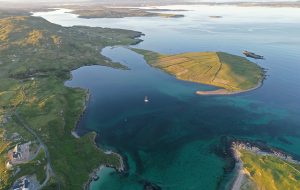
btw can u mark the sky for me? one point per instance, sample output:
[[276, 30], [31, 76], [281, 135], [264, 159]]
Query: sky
[[66, 1]]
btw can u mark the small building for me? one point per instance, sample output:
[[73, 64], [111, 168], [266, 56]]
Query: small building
[[17, 152], [22, 184], [25, 184]]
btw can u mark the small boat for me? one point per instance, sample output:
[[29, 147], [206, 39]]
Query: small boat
[[253, 55], [146, 99]]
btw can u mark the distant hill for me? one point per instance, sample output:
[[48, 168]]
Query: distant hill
[[54, 3]]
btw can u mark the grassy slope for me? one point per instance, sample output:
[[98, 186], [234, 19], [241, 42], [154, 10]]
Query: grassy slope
[[4, 145], [32, 47], [220, 69], [269, 172]]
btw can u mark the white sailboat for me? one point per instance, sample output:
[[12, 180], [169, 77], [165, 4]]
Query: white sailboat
[[146, 99]]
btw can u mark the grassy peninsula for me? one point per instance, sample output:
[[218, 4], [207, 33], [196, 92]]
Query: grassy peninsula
[[36, 57], [233, 74], [111, 12], [270, 170]]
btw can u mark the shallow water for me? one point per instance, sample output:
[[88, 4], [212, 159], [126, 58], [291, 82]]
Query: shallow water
[[174, 140]]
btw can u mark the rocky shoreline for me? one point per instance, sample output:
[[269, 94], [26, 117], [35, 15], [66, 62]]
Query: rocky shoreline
[[86, 102], [94, 175], [239, 169], [266, 151], [257, 149]]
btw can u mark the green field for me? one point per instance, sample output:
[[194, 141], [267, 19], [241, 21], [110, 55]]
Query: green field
[[230, 72], [36, 57], [270, 172]]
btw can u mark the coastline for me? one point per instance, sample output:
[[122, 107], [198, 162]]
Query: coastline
[[221, 91], [86, 102], [100, 11], [74, 133], [239, 167], [94, 175], [226, 92], [242, 176], [266, 151]]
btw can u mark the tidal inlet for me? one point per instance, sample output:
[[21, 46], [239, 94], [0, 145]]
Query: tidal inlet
[[152, 95]]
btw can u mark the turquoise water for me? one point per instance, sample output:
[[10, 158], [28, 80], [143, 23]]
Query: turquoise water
[[177, 140]]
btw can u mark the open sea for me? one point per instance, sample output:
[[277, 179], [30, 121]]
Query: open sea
[[177, 140]]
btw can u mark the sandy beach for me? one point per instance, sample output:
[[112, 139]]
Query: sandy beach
[[226, 92], [239, 170]]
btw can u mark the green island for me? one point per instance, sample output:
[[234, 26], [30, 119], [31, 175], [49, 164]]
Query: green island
[[258, 169], [38, 113], [113, 12], [233, 74]]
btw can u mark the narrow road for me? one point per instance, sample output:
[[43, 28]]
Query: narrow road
[[49, 170]]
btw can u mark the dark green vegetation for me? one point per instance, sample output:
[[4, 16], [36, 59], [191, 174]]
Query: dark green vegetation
[[106, 12], [230, 72], [270, 172], [36, 57]]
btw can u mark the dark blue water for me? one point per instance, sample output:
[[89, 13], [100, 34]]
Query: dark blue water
[[171, 141], [176, 140]]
